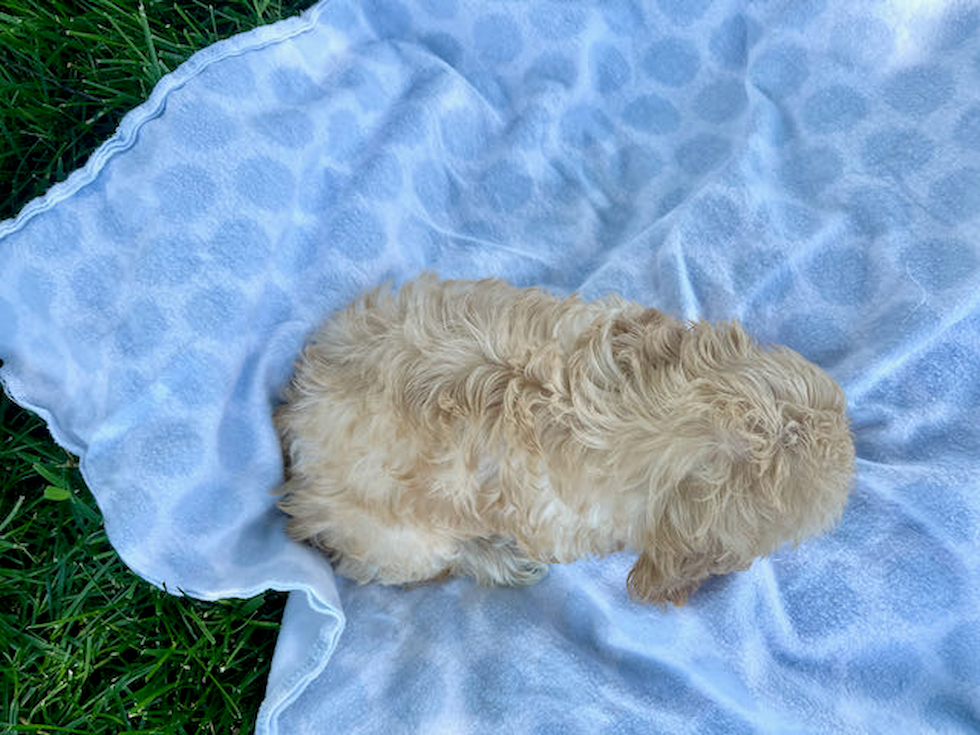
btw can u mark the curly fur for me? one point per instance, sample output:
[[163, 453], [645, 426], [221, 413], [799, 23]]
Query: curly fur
[[474, 428]]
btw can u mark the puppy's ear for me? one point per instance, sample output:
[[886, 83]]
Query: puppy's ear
[[685, 527], [664, 580]]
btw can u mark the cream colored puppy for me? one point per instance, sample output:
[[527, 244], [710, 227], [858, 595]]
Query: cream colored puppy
[[474, 428]]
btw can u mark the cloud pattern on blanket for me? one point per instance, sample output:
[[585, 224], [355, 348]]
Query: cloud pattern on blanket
[[812, 167]]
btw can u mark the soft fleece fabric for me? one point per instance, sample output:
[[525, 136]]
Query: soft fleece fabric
[[810, 166]]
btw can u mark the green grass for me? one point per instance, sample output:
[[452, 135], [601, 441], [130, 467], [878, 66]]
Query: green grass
[[85, 645], [88, 647]]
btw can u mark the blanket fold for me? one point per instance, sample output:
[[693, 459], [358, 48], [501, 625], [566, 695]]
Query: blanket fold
[[811, 167]]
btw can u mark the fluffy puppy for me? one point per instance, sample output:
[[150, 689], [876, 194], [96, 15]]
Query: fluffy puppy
[[474, 428]]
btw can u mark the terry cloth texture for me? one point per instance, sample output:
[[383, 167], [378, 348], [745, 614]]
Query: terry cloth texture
[[812, 167]]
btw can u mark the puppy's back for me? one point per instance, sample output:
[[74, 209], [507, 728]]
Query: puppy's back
[[441, 337]]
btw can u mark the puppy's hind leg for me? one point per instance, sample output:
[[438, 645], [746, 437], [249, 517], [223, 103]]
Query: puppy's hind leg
[[367, 548], [497, 561]]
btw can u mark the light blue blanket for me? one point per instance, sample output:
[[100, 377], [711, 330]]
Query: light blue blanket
[[811, 166]]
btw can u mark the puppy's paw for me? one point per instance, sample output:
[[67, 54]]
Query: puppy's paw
[[498, 562], [527, 572]]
